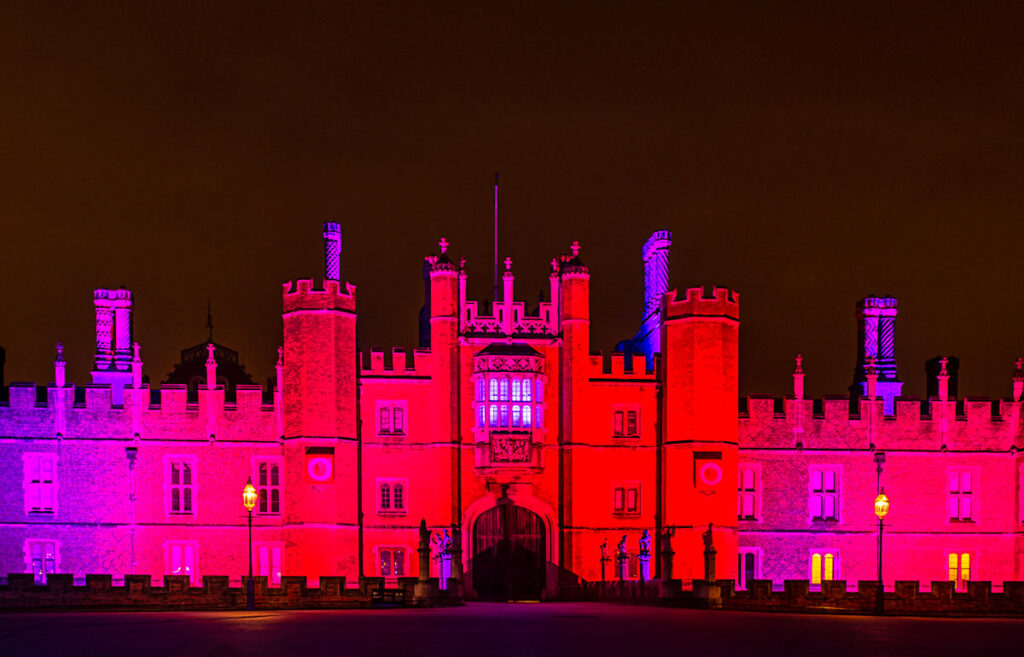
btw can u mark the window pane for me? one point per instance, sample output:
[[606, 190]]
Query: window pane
[[620, 499], [481, 415], [631, 423], [748, 505], [540, 390], [261, 479], [954, 508], [275, 478], [494, 389], [527, 413], [385, 420], [385, 496], [175, 499], [494, 415], [965, 507], [275, 501], [517, 417], [263, 500], [186, 474], [829, 565], [965, 567], [399, 419], [385, 563], [503, 389], [617, 425], [33, 467], [954, 482], [830, 506], [517, 390], [965, 482], [399, 563], [45, 469], [816, 506], [480, 386], [186, 504], [815, 568], [631, 500], [816, 480], [830, 481], [527, 390], [952, 567], [175, 474], [399, 496], [504, 415]]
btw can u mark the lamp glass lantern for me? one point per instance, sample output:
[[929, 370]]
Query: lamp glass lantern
[[249, 496], [881, 505]]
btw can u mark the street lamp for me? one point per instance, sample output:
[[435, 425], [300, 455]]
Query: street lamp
[[249, 500], [881, 509]]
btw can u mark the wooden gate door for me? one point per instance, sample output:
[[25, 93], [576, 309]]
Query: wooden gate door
[[508, 554]]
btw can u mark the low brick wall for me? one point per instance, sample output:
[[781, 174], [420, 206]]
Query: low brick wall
[[59, 592], [797, 596]]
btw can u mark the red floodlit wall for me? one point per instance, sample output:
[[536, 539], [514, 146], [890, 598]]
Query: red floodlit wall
[[366, 445]]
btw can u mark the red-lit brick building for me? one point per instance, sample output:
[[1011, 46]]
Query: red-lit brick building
[[507, 430]]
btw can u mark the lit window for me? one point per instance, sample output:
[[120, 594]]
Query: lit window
[[824, 500], [481, 415], [42, 559], [961, 496], [823, 567], [503, 390], [181, 559], [747, 503], [503, 411], [391, 496], [40, 483], [481, 385], [392, 562], [527, 388], [960, 569], [517, 390], [540, 390], [494, 389], [268, 561], [527, 411], [494, 415], [181, 487], [626, 498], [517, 415], [268, 487]]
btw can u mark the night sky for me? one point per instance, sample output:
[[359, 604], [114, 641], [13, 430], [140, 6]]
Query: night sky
[[805, 154]]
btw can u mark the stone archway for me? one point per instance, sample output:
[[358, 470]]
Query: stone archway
[[509, 556]]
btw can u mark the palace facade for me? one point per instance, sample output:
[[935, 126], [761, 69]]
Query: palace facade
[[508, 431]]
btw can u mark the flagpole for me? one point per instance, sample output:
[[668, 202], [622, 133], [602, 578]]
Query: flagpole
[[495, 238]]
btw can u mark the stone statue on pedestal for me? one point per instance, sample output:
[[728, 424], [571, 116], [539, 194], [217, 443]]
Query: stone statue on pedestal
[[709, 555]]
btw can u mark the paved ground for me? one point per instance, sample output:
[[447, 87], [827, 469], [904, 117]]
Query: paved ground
[[495, 630]]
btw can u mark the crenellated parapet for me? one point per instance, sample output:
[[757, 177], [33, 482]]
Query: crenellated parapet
[[89, 412], [301, 295], [701, 302], [376, 363], [620, 366], [830, 423]]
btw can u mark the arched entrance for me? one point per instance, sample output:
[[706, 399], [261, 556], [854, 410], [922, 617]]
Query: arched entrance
[[508, 554]]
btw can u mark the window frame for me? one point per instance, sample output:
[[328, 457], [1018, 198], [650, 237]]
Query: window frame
[[822, 553], [30, 566], [392, 483], [273, 581], [742, 583], [626, 487], [392, 550], [959, 581], [389, 407], [270, 488], [959, 496], [30, 462], [621, 414], [192, 461], [169, 546], [823, 468], [755, 492]]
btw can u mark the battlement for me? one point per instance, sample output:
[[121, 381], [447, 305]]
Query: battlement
[[973, 424], [90, 412], [617, 365], [377, 363], [699, 302], [301, 295]]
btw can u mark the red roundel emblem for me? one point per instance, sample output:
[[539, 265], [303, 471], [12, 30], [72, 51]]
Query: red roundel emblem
[[319, 468], [710, 474]]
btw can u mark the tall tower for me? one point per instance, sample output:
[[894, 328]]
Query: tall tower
[[655, 254], [574, 319], [320, 436], [876, 339], [444, 354], [699, 374], [113, 362]]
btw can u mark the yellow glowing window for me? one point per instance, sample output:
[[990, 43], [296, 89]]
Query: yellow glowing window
[[960, 569], [822, 567]]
